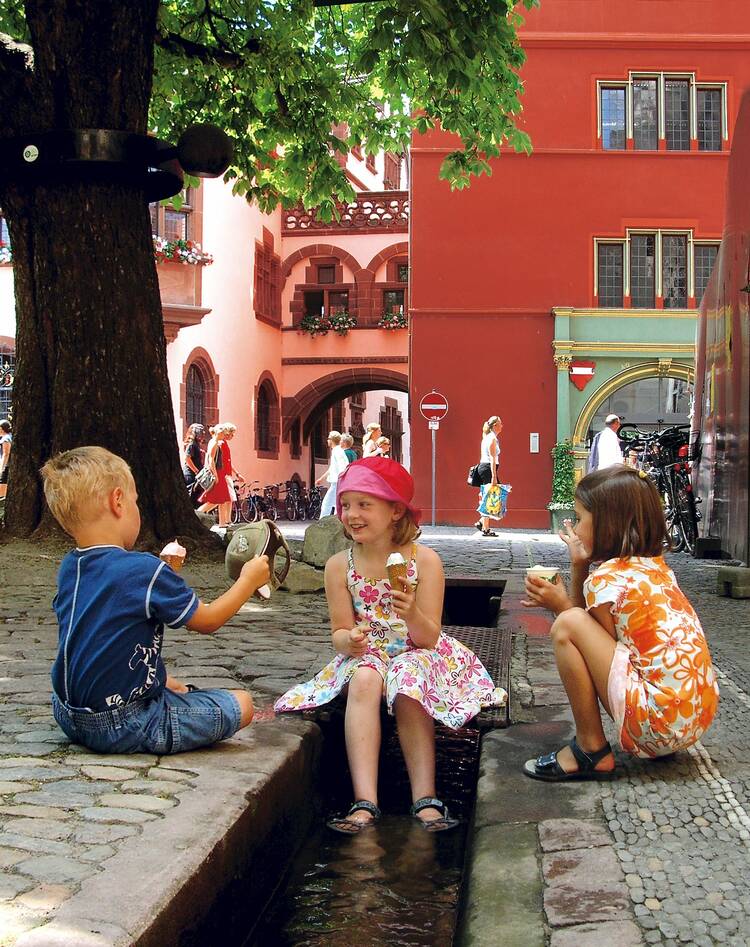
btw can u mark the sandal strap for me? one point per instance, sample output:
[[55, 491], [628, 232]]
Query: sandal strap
[[547, 763], [364, 805], [587, 761], [429, 802]]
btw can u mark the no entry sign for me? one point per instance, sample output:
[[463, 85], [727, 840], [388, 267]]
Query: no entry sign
[[434, 406]]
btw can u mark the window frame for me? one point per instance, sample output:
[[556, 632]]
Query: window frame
[[661, 78], [658, 233], [187, 210]]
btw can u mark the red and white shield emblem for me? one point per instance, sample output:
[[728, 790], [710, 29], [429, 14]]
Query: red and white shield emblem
[[581, 372]]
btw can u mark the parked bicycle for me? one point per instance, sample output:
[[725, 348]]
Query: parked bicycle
[[294, 501], [252, 504], [314, 503], [665, 457]]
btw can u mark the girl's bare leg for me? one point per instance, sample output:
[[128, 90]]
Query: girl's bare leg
[[416, 734], [584, 653], [362, 731]]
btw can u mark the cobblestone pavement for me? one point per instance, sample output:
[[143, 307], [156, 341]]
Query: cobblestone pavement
[[680, 831]]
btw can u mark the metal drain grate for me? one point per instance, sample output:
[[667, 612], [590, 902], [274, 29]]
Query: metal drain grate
[[491, 645], [493, 648]]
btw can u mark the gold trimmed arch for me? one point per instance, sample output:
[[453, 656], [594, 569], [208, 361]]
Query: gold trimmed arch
[[636, 373]]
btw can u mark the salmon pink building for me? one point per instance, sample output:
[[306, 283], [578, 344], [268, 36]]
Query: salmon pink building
[[286, 325], [566, 285]]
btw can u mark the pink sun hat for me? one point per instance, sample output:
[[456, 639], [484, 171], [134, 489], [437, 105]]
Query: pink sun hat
[[379, 477]]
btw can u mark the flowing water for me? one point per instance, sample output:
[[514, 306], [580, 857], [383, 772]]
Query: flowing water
[[392, 884]]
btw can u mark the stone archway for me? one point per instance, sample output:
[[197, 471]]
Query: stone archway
[[387, 253], [644, 370], [315, 398]]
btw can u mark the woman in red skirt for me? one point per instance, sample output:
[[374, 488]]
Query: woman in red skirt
[[219, 461]]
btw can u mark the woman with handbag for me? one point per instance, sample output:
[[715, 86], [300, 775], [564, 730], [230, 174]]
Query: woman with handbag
[[192, 459], [489, 460], [218, 461]]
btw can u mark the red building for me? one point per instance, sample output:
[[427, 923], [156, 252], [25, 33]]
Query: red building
[[616, 215]]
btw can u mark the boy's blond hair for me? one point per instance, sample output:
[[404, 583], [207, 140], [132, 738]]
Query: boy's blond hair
[[77, 483], [334, 436]]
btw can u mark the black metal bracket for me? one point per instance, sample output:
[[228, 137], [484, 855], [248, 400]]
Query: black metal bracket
[[109, 156]]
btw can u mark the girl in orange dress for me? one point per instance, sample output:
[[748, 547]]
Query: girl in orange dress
[[626, 636]]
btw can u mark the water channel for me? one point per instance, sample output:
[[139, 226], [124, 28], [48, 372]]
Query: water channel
[[393, 884]]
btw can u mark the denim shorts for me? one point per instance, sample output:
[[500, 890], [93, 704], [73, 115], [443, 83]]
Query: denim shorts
[[168, 723]]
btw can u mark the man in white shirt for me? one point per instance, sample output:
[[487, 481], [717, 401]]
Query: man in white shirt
[[605, 448], [339, 463]]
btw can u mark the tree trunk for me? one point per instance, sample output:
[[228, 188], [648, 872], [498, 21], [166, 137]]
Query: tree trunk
[[91, 356]]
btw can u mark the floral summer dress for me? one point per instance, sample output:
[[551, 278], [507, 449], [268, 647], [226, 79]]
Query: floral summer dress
[[662, 687], [450, 682]]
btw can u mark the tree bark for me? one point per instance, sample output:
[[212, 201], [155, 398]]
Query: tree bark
[[91, 355]]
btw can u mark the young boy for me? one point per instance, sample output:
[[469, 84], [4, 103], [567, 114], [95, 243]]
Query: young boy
[[111, 691]]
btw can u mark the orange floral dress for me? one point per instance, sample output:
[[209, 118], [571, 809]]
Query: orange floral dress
[[662, 687]]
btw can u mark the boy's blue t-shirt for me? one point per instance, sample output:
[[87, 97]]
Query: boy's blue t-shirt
[[111, 607]]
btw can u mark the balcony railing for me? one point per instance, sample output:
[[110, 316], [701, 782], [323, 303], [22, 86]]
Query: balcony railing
[[370, 211]]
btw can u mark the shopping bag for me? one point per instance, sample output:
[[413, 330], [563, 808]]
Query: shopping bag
[[495, 501]]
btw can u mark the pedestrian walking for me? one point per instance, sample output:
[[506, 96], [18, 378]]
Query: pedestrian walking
[[192, 455], [370, 440], [219, 460], [347, 442], [337, 465], [387, 635], [625, 636], [605, 448], [6, 442], [489, 461]]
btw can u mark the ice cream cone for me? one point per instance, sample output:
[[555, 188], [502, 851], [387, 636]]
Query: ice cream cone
[[176, 562], [174, 555], [397, 568]]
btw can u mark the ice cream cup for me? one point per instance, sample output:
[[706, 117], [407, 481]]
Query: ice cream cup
[[544, 572]]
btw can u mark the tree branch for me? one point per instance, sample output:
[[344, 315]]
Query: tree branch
[[180, 46]]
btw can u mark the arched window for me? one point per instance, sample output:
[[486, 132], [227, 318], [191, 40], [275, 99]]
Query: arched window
[[267, 419], [195, 396], [199, 391], [649, 403]]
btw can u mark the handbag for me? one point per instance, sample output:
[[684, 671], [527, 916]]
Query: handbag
[[480, 474], [205, 479]]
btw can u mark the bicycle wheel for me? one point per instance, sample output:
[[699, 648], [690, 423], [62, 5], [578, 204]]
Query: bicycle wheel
[[676, 539], [273, 513], [686, 517], [290, 507], [249, 510], [313, 509], [236, 515]]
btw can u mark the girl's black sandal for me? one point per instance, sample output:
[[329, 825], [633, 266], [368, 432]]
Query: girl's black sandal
[[549, 770], [348, 826], [434, 825]]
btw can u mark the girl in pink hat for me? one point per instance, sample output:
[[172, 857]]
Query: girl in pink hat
[[385, 598]]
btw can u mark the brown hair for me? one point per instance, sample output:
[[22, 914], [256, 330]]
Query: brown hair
[[627, 513]]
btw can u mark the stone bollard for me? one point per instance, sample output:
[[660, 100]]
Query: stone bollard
[[323, 539], [733, 582]]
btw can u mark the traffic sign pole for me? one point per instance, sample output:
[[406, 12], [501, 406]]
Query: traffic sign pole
[[433, 431], [434, 408]]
